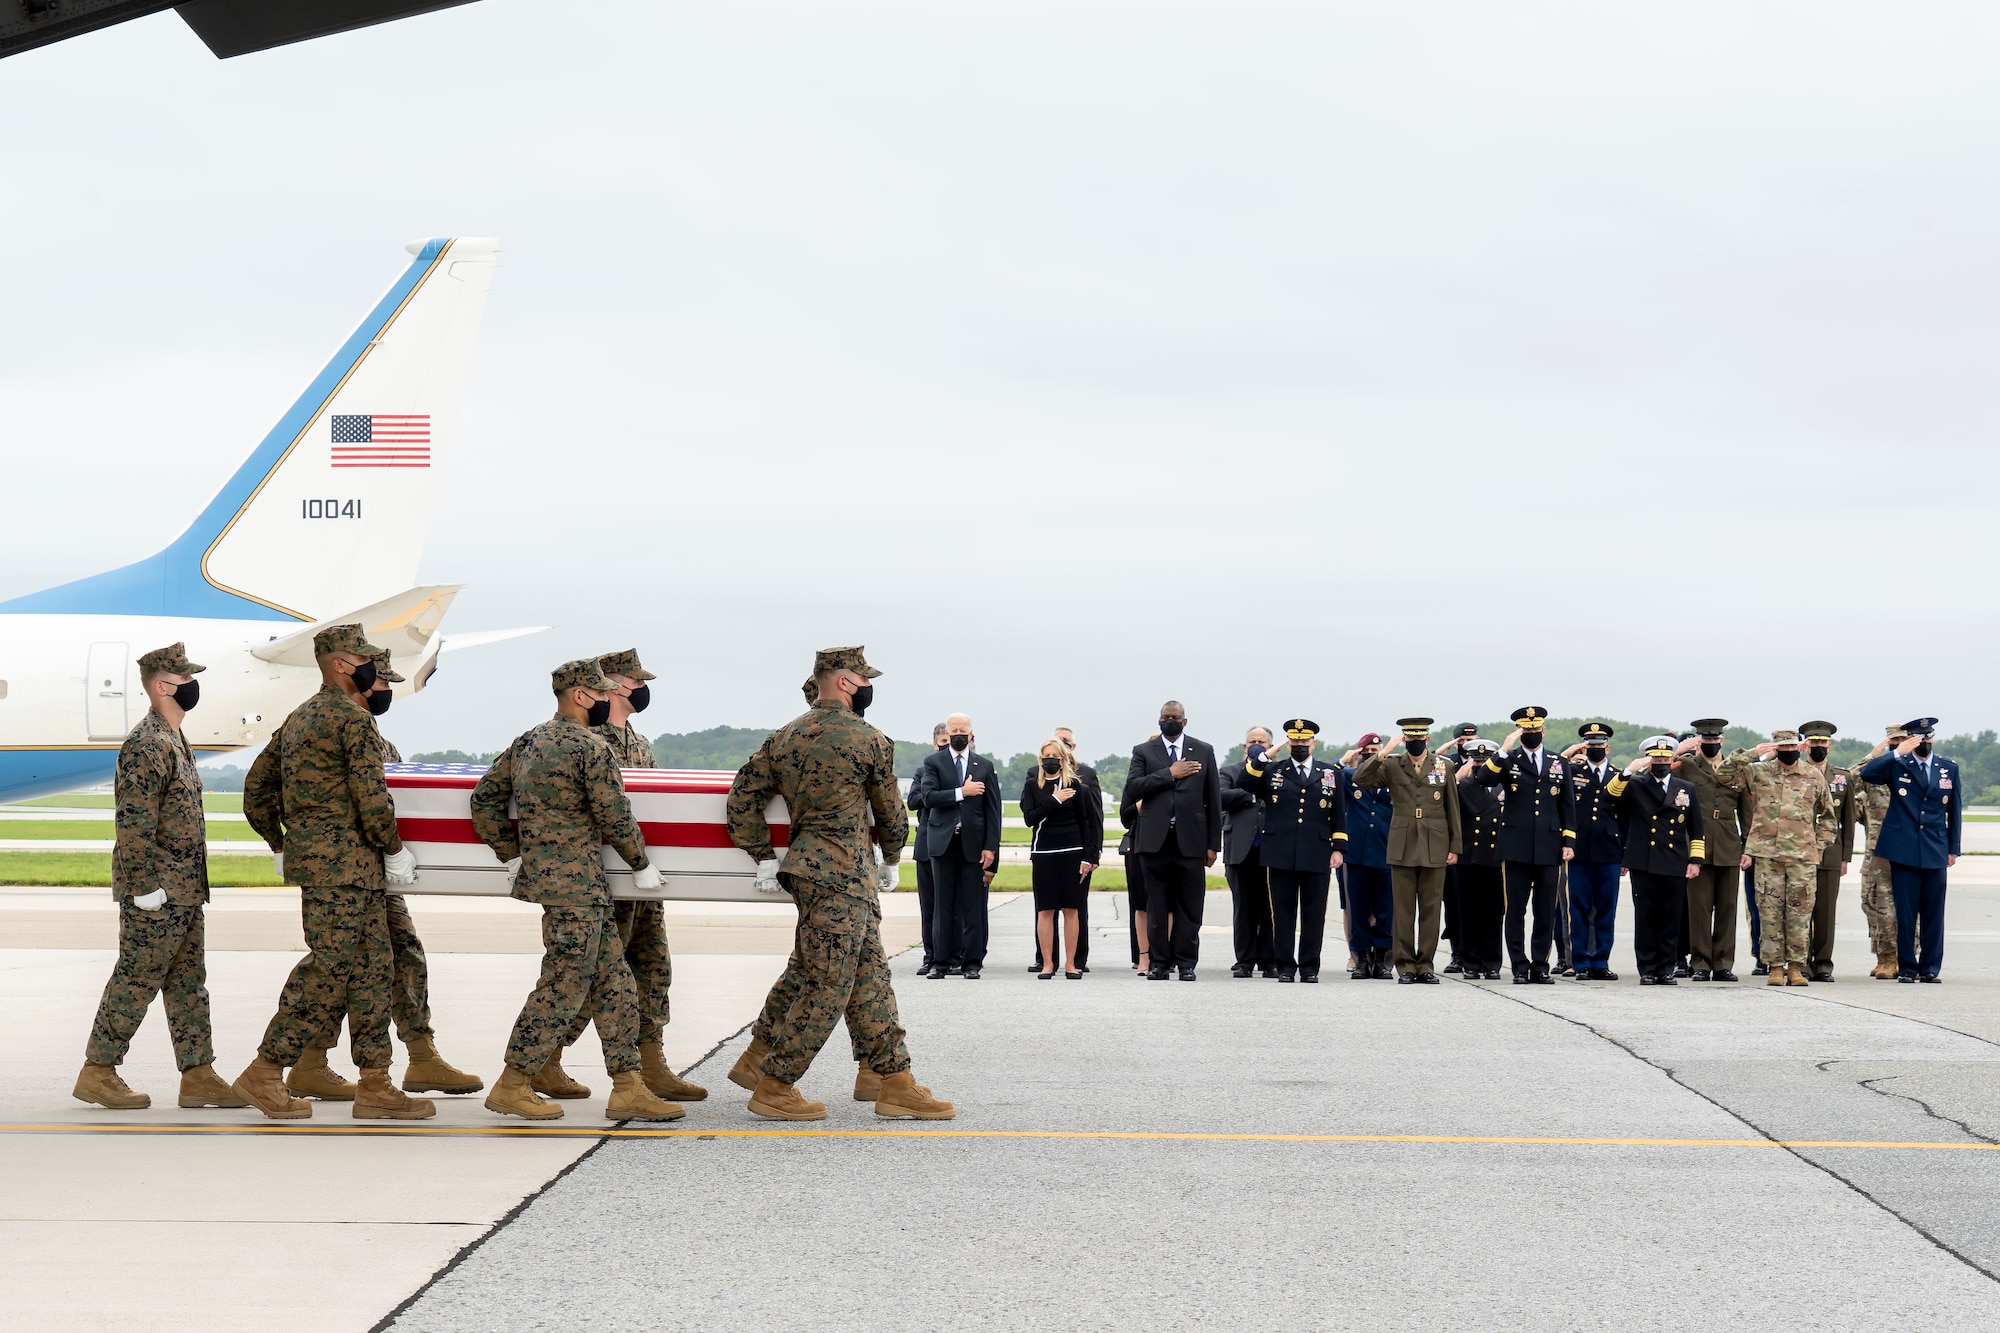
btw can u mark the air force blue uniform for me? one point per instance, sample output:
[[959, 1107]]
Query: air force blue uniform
[[1920, 830], [1370, 811]]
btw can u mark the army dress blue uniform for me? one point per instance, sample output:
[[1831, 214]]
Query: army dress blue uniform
[[1920, 834], [1305, 823], [1370, 891], [1593, 876], [1537, 826]]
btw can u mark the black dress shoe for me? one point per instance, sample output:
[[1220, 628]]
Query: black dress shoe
[[1681, 969], [1907, 978], [1493, 975], [1187, 974], [1520, 976], [1035, 968], [1823, 976], [1286, 974], [1539, 976], [955, 969], [1700, 974], [1453, 967], [1267, 972], [1646, 979], [1240, 970], [1428, 979], [1724, 974], [1667, 979], [939, 972], [1761, 969], [1930, 978], [1383, 971], [1606, 974], [1406, 978], [1156, 974], [970, 974], [1309, 976]]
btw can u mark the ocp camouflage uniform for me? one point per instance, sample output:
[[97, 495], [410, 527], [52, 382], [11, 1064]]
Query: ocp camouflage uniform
[[162, 844], [831, 768], [1878, 904], [1792, 819], [1841, 784], [318, 796], [564, 783]]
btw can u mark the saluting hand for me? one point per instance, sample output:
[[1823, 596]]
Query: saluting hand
[[1513, 739], [1908, 743]]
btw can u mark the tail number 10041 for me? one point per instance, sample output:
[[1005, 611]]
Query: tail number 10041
[[329, 509]]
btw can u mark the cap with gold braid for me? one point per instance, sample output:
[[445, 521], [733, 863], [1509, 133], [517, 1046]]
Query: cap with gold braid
[[1415, 728], [1657, 747], [1301, 730], [1817, 733], [1531, 718], [1594, 731], [1709, 727]]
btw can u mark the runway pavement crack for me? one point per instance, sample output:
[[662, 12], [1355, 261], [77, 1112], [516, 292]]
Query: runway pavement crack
[[1885, 1013], [1742, 1119], [1922, 1105]]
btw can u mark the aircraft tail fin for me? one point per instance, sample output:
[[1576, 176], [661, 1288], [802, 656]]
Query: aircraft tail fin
[[332, 509]]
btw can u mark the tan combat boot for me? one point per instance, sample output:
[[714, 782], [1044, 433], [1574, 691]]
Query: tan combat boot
[[202, 1086], [430, 1072], [661, 1078], [1777, 977], [1798, 975], [101, 1086], [749, 1066], [781, 1101], [312, 1077], [868, 1084], [1885, 968], [514, 1094], [379, 1099], [552, 1081], [263, 1086], [903, 1098], [631, 1099]]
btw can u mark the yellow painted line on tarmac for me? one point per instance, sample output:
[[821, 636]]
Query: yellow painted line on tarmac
[[1168, 1136]]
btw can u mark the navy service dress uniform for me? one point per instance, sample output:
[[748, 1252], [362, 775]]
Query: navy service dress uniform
[[1592, 878], [1919, 838], [1482, 897], [1368, 886], [1663, 836], [1305, 823], [1537, 828]]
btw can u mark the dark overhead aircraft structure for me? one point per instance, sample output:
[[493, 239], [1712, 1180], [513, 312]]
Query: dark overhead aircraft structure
[[229, 27]]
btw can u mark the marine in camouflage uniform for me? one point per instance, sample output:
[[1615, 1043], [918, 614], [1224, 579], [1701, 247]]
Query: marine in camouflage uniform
[[563, 782], [1792, 820], [833, 770], [1840, 783], [318, 798], [1878, 903], [159, 878]]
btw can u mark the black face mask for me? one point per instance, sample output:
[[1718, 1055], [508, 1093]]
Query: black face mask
[[1415, 747], [1172, 727], [1788, 756], [641, 696], [1531, 740], [188, 695], [599, 712], [1710, 749], [1302, 752], [862, 698], [1923, 750], [1594, 753], [1818, 753], [1051, 766], [960, 741], [379, 701], [1661, 767], [364, 677]]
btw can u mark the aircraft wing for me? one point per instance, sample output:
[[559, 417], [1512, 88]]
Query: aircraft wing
[[404, 624], [228, 27]]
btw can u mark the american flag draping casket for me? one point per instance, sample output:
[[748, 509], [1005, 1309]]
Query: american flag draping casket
[[680, 811]]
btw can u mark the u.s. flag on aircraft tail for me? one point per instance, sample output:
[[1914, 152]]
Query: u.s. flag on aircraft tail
[[382, 441]]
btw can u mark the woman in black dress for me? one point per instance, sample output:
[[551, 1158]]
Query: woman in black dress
[[1067, 837]]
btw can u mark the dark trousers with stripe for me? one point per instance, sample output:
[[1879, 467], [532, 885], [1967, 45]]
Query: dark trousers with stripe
[[1593, 912], [1536, 885], [1919, 919], [1659, 902], [1298, 896]]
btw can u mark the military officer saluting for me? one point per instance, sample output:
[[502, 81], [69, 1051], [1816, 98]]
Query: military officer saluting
[[1593, 876], [1663, 850], [1818, 737], [1791, 822], [1878, 899], [1711, 895], [1481, 898], [159, 877], [1424, 838], [1537, 836], [1920, 841], [1305, 835]]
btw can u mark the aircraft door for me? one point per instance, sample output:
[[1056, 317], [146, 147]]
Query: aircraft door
[[104, 692]]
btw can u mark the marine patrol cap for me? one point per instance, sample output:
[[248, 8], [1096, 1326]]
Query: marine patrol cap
[[811, 690], [1415, 728], [1784, 737], [172, 660], [1301, 729], [1531, 718], [1817, 731], [383, 669], [1920, 726], [343, 639], [1657, 745], [582, 674], [843, 659], [1710, 727], [1594, 731], [625, 664]]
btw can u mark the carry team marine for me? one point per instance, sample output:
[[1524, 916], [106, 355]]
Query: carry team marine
[[318, 798], [159, 878], [1878, 900], [1818, 738], [1537, 833], [1424, 838], [1304, 830], [1792, 819], [410, 995], [1663, 841], [1712, 894], [833, 771], [641, 923], [569, 801]]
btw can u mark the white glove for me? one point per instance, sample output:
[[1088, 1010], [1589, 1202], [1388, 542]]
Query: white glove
[[401, 868], [151, 902], [646, 877], [886, 878], [767, 878], [278, 860], [513, 869]]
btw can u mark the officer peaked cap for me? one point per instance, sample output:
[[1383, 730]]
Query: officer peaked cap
[[1416, 728], [1709, 726], [1653, 745], [1531, 718], [1594, 731], [1301, 729], [1817, 731], [1920, 726]]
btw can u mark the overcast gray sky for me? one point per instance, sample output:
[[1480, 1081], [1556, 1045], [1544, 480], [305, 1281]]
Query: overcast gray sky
[[1341, 359]]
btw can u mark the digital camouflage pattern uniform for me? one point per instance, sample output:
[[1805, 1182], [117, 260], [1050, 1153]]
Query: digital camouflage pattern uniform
[[1878, 904], [162, 844], [832, 769], [564, 784], [317, 795], [1792, 819]]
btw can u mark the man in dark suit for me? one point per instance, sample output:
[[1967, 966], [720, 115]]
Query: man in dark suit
[[926, 889], [961, 835], [1537, 833], [1179, 833], [1663, 849], [1086, 781], [1920, 840], [1243, 862]]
